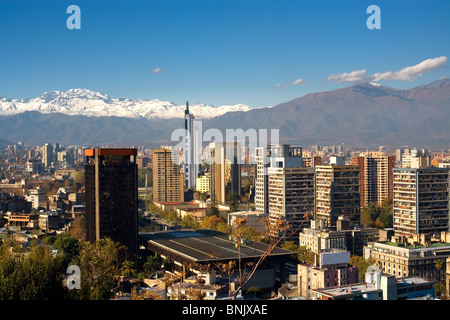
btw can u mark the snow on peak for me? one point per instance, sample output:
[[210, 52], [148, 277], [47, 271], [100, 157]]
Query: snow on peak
[[91, 103]]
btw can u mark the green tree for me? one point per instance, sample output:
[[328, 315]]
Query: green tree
[[362, 265], [189, 222], [68, 245], [33, 274], [168, 264], [128, 268], [152, 264], [234, 200], [99, 264], [214, 209]]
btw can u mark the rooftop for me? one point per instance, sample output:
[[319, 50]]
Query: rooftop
[[206, 245]]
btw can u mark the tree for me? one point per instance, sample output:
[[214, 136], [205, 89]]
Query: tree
[[303, 254], [99, 264], [152, 264], [79, 228], [68, 245], [189, 222], [234, 199], [214, 209], [168, 264], [380, 216], [362, 265], [204, 196], [128, 268], [212, 222], [33, 274]]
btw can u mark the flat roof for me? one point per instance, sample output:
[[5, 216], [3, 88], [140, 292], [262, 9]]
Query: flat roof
[[206, 245], [111, 152], [346, 291]]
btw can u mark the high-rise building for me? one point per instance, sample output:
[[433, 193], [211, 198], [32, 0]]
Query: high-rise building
[[168, 181], [416, 159], [337, 193], [225, 170], [261, 181], [290, 188], [375, 176], [47, 155], [421, 201], [191, 150], [112, 196]]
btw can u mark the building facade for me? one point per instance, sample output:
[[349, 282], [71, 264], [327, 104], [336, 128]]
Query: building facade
[[168, 181], [337, 190], [421, 201], [290, 190], [191, 150], [111, 196], [225, 170], [410, 260], [375, 176]]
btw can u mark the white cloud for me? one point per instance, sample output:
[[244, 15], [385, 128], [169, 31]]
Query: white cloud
[[413, 72], [298, 82], [157, 70], [406, 74], [353, 76]]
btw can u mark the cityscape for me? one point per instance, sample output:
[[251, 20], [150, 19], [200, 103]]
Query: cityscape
[[219, 160]]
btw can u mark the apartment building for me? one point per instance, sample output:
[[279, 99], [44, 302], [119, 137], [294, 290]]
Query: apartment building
[[225, 170], [290, 190], [375, 176], [421, 201], [337, 193], [168, 181]]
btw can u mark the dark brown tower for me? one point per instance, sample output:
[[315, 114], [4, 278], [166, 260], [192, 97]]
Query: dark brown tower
[[111, 196]]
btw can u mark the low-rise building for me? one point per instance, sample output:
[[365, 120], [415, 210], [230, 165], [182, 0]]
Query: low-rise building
[[255, 220], [342, 237], [380, 286], [330, 270], [410, 260]]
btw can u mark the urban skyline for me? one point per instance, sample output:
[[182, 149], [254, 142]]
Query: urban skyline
[[305, 156]]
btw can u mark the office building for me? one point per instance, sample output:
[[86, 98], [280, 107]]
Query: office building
[[111, 196], [168, 181], [375, 177], [421, 201], [337, 193], [225, 170]]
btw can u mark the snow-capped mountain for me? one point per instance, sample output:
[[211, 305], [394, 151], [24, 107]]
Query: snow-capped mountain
[[95, 104]]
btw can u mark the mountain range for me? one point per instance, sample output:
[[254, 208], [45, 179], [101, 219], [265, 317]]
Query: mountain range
[[363, 114], [85, 102]]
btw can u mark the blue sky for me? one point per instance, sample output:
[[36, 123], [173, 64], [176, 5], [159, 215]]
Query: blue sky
[[219, 52]]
